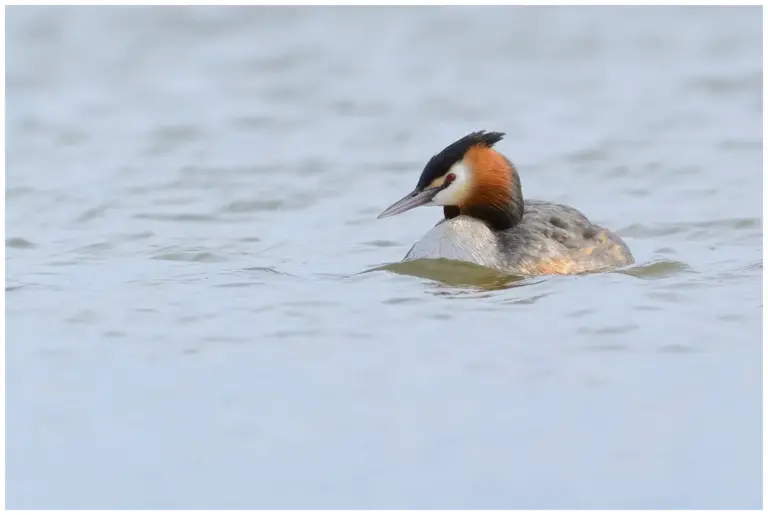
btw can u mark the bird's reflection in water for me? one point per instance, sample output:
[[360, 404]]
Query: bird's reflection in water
[[455, 273]]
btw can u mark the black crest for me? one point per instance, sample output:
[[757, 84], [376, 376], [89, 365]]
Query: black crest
[[453, 153]]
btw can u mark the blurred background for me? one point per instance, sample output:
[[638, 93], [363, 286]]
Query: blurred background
[[191, 197]]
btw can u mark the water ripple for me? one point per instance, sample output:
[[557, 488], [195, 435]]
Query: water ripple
[[701, 230], [197, 256], [19, 243], [656, 270], [180, 217]]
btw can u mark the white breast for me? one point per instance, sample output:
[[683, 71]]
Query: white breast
[[462, 238]]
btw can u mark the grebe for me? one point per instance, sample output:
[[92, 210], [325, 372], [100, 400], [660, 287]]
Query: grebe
[[487, 222]]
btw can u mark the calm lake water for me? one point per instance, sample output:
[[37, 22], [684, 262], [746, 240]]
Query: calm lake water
[[191, 203]]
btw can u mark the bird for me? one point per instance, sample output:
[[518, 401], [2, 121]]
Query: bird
[[486, 220]]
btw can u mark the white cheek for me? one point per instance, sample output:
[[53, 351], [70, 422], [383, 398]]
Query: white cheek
[[459, 188]]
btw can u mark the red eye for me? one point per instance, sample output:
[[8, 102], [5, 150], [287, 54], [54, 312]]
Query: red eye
[[450, 178]]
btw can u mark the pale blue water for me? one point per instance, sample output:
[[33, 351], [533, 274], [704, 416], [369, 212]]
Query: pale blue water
[[192, 193]]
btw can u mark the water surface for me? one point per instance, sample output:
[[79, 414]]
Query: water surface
[[191, 204]]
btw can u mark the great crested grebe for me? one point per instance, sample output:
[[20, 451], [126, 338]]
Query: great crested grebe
[[488, 223]]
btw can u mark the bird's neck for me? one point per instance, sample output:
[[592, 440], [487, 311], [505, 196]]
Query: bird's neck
[[501, 208]]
